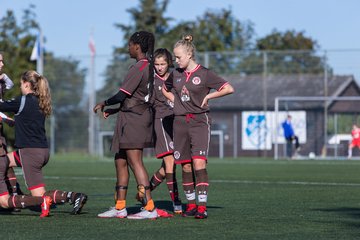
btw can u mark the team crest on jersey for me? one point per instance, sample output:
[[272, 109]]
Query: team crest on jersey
[[185, 95], [159, 88], [171, 145], [176, 155], [196, 80], [178, 80]]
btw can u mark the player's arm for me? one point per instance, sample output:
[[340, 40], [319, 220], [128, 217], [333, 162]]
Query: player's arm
[[224, 90], [117, 98], [110, 111]]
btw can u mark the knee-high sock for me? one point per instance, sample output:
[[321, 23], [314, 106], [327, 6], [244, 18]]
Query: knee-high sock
[[202, 186], [22, 201], [58, 196], [11, 181], [156, 180], [188, 186], [172, 186]]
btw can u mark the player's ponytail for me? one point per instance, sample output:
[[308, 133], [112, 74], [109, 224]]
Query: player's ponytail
[[40, 86]]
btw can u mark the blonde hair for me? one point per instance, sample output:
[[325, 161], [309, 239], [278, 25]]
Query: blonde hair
[[187, 43], [40, 86]]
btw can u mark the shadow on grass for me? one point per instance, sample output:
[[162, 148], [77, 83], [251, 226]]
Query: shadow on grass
[[353, 212]]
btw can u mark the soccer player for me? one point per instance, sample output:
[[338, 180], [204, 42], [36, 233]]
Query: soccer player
[[163, 126], [290, 136], [32, 152], [133, 131], [190, 90], [5, 84], [355, 142]]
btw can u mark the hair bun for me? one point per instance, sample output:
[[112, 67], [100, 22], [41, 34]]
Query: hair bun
[[188, 38]]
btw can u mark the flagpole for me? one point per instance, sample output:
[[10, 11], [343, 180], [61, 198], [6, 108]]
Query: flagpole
[[92, 98], [40, 59]]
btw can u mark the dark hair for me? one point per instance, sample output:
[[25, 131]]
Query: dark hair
[[146, 40], [163, 52]]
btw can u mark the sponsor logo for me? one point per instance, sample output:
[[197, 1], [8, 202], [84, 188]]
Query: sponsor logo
[[176, 155], [171, 145], [196, 80], [178, 80]]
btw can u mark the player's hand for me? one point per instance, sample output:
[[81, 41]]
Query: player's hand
[[205, 102], [99, 106], [2, 76]]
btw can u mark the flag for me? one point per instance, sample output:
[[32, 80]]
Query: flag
[[92, 47], [36, 52]]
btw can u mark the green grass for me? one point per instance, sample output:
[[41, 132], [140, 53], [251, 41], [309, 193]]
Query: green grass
[[248, 199]]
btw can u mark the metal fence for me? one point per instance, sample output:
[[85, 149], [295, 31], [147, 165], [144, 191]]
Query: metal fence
[[69, 129]]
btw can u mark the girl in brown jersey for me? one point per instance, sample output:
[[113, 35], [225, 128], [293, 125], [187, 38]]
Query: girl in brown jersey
[[6, 84], [133, 130], [163, 126], [31, 109], [189, 89]]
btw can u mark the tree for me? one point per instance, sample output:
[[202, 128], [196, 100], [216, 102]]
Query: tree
[[287, 52], [65, 77]]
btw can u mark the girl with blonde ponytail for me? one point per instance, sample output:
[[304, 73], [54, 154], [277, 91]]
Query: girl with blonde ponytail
[[32, 152]]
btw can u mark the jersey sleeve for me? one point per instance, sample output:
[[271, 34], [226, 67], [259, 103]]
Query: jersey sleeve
[[214, 81], [11, 105], [133, 78]]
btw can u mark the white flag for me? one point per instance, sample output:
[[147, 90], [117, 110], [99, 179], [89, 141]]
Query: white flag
[[35, 54]]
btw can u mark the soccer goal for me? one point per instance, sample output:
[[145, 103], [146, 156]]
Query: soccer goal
[[323, 126]]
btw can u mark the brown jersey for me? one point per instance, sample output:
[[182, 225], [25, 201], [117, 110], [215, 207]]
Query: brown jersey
[[136, 85], [134, 123], [190, 89], [162, 106]]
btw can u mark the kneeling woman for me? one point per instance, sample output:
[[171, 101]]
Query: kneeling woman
[[32, 155]]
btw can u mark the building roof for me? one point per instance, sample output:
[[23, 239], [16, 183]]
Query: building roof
[[249, 90]]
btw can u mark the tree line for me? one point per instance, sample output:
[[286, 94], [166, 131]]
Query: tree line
[[215, 31]]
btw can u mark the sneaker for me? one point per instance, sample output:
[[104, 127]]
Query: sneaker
[[45, 206], [190, 211], [113, 213], [144, 214], [201, 212], [177, 208], [163, 213], [79, 202]]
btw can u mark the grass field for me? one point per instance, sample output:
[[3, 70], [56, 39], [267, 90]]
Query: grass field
[[248, 199]]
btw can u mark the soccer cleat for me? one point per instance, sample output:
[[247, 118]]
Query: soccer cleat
[[45, 206], [163, 213], [114, 213], [201, 212], [79, 202], [190, 211], [144, 214], [177, 208]]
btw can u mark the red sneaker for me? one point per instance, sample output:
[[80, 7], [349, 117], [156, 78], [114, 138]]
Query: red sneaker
[[45, 206], [201, 212], [163, 213], [190, 211]]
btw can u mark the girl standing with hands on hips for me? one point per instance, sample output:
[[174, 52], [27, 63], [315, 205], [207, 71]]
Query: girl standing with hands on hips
[[189, 88], [133, 131]]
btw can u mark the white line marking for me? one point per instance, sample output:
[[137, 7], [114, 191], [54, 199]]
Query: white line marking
[[222, 181]]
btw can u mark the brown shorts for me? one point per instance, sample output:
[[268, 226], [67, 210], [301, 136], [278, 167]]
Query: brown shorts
[[133, 131], [164, 144], [32, 160], [191, 137], [3, 168]]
